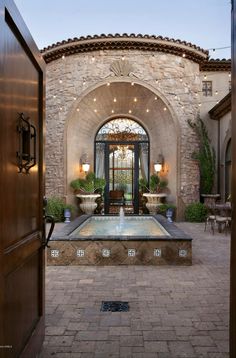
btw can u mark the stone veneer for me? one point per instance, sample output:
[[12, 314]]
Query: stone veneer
[[82, 77]]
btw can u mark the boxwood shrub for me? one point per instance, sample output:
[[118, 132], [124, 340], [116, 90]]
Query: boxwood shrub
[[195, 212]]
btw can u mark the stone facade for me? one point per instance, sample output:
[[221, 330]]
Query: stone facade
[[168, 87]]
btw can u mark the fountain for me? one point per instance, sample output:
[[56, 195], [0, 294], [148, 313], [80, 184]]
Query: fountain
[[120, 240]]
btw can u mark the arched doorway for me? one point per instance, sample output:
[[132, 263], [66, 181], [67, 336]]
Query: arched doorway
[[122, 158]]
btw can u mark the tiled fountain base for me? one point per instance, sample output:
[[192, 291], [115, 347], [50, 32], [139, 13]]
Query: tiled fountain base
[[174, 250]]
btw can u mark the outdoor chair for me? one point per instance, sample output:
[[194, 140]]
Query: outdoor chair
[[116, 197], [219, 215]]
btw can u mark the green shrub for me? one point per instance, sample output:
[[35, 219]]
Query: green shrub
[[164, 207], [195, 212], [55, 207]]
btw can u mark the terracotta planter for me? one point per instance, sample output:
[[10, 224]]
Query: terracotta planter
[[88, 202], [153, 201]]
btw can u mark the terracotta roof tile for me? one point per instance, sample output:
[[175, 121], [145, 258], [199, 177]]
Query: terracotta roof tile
[[126, 42]]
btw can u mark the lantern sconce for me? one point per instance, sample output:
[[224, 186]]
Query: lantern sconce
[[159, 164], [85, 165]]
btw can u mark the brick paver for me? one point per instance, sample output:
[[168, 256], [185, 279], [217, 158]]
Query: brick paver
[[175, 312]]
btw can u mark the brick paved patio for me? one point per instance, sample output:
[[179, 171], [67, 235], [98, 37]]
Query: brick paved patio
[[174, 311]]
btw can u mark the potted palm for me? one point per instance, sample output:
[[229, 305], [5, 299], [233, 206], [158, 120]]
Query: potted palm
[[88, 190], [155, 196]]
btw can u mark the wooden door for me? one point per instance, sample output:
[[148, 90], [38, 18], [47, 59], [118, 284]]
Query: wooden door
[[21, 188]]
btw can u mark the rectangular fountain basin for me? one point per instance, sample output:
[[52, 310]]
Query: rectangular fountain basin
[[105, 240], [113, 226]]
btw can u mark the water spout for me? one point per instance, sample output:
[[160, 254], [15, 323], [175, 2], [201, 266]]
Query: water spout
[[122, 217]]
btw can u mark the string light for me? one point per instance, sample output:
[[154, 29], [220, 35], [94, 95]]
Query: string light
[[95, 110], [74, 98], [130, 111], [63, 57], [218, 48], [112, 111], [132, 83], [77, 109], [147, 110], [177, 96], [183, 55], [94, 100]]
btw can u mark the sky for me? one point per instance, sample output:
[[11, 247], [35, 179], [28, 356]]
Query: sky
[[205, 23]]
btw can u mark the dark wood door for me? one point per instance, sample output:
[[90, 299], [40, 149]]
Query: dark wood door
[[21, 188]]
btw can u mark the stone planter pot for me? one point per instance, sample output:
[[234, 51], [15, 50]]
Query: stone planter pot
[[210, 199], [153, 201], [88, 202]]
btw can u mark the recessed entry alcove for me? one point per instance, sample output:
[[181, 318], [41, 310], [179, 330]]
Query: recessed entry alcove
[[141, 110]]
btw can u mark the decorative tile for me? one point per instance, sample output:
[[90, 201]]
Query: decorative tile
[[54, 253], [182, 253], [80, 253], [157, 252], [106, 252], [131, 252], [114, 306]]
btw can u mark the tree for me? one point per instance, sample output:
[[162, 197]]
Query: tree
[[205, 156]]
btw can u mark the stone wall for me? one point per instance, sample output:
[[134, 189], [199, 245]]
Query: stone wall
[[73, 80]]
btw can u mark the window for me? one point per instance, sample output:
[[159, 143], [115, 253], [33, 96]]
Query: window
[[207, 88]]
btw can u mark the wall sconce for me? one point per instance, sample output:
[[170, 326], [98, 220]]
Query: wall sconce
[[158, 165], [85, 163]]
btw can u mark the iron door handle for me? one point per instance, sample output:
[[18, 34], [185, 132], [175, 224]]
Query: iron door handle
[[49, 218]]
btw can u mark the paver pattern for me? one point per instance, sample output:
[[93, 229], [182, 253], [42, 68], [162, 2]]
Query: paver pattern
[[175, 312]]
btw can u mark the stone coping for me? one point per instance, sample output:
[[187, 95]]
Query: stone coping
[[174, 232], [155, 195], [88, 195], [210, 195]]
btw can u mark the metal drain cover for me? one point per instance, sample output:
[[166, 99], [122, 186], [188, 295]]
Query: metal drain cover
[[115, 306]]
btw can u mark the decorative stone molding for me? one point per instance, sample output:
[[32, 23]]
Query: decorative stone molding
[[121, 68]]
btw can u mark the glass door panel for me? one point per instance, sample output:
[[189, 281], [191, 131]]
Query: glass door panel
[[121, 175]]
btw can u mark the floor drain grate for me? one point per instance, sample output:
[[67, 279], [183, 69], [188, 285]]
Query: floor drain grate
[[115, 306]]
